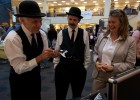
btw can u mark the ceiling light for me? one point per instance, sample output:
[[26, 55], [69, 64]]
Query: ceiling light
[[97, 4], [59, 4], [39, 3], [54, 2], [126, 1], [72, 0], [63, 1]]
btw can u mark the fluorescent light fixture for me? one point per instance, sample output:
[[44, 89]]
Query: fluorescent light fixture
[[59, 4], [126, 1], [63, 1], [54, 2], [97, 4], [39, 3]]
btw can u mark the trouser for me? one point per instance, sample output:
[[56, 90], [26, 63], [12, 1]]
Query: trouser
[[24, 88], [69, 74], [100, 81]]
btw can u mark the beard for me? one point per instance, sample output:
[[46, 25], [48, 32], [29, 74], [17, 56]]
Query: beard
[[73, 26]]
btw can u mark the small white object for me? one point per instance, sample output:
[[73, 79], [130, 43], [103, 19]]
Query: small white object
[[62, 53]]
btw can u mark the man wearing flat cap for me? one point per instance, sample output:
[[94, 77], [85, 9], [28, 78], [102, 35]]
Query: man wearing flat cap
[[71, 65], [25, 49]]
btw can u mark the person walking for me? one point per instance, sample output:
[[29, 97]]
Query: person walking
[[70, 67], [25, 49], [114, 51]]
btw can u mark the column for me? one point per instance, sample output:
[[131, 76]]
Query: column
[[107, 8], [44, 7]]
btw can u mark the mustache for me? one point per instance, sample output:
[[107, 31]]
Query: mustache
[[72, 24]]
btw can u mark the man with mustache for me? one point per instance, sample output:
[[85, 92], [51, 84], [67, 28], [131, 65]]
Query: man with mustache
[[70, 68]]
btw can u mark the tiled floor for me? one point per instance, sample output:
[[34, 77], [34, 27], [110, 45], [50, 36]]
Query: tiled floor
[[48, 88]]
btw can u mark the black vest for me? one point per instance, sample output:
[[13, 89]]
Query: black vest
[[76, 52], [30, 54]]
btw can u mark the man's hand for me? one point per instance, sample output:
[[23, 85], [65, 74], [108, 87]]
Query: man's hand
[[45, 54], [55, 53]]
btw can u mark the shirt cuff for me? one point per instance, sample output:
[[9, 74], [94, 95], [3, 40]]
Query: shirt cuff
[[86, 66], [55, 66], [33, 62]]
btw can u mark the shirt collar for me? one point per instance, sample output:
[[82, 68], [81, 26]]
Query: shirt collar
[[70, 29], [26, 31], [120, 38]]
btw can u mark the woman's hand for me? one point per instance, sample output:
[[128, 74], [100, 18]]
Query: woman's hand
[[104, 67], [99, 66], [107, 68]]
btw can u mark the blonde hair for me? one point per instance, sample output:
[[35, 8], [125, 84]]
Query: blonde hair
[[123, 30]]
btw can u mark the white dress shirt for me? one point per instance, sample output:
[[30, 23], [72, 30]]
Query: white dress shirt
[[108, 50], [13, 48], [86, 41]]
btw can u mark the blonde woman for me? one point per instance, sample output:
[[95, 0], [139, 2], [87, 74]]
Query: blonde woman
[[115, 50]]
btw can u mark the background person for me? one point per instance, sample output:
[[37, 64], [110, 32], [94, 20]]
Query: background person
[[25, 55], [115, 50], [71, 70], [2, 33], [136, 35], [52, 35]]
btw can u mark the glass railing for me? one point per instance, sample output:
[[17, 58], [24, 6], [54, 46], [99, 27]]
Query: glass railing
[[63, 14]]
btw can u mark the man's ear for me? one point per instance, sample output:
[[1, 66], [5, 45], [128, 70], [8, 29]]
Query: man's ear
[[20, 19]]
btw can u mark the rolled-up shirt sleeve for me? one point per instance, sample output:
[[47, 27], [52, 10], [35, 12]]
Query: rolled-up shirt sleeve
[[87, 50], [57, 47]]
